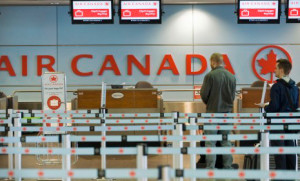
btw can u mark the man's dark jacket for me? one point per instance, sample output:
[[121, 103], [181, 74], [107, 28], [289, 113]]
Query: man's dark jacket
[[218, 90], [279, 100]]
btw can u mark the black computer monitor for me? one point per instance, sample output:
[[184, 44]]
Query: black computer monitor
[[140, 11], [258, 11], [92, 11], [293, 11]]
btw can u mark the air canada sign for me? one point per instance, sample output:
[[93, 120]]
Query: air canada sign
[[110, 64], [263, 64]]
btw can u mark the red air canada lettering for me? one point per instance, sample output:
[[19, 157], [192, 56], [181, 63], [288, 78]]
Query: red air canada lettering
[[45, 63]]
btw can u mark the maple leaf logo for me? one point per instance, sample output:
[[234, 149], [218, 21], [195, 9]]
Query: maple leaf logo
[[53, 78], [269, 65]]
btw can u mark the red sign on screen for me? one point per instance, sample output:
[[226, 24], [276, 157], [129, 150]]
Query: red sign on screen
[[257, 12], [89, 13], [139, 13], [147, 10], [294, 12], [92, 10]]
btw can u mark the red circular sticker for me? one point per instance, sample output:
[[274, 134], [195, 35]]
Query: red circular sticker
[[54, 102], [132, 173], [40, 173], [210, 173], [242, 174]]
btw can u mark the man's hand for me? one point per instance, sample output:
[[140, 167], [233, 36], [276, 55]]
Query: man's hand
[[262, 105]]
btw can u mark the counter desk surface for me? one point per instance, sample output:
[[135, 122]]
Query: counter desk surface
[[118, 98], [252, 96]]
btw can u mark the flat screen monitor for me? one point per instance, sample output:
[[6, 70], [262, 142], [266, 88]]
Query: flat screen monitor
[[140, 12], [92, 11], [263, 11], [293, 11]]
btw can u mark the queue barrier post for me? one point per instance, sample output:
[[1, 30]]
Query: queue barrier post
[[264, 158], [141, 159], [165, 173], [178, 158], [193, 121], [103, 141], [265, 142], [18, 157], [10, 145], [66, 159]]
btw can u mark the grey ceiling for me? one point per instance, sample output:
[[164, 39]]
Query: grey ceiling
[[66, 2]]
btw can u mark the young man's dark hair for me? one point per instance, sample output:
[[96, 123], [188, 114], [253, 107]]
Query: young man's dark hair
[[285, 65]]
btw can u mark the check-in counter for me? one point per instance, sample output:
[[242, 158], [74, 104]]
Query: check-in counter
[[140, 100], [3, 103], [251, 96], [121, 100], [9, 102]]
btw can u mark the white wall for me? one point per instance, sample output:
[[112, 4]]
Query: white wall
[[185, 29]]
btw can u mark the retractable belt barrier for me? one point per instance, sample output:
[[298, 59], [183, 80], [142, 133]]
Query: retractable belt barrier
[[45, 151], [151, 121], [88, 128], [199, 173], [155, 138], [147, 138], [142, 121], [49, 173], [30, 139], [149, 173], [175, 122], [124, 115], [148, 128], [151, 150]]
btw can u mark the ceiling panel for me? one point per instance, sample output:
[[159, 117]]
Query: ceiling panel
[[66, 2]]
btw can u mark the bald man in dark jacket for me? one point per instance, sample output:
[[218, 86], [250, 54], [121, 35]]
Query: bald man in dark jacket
[[218, 93]]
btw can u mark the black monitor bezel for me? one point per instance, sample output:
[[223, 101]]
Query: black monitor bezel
[[288, 20], [269, 21], [104, 21], [141, 21]]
